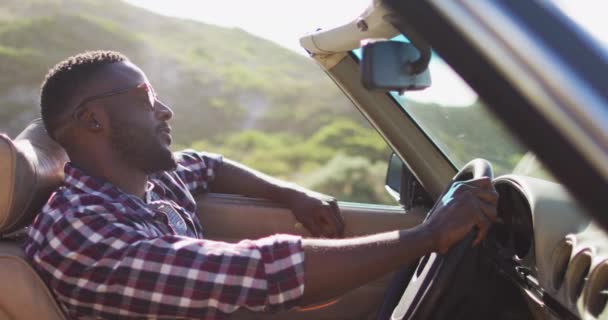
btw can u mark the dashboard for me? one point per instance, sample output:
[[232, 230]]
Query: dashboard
[[555, 253]]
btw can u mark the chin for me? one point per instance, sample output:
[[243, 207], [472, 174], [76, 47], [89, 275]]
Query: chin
[[161, 159], [164, 162], [142, 151]]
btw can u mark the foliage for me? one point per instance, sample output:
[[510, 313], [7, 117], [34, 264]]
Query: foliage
[[226, 77], [232, 93], [315, 162], [353, 178], [468, 132]]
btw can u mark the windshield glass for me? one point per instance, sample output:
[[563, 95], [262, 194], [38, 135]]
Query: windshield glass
[[460, 125]]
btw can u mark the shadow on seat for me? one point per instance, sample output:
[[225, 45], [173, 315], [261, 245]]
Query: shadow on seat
[[31, 166]]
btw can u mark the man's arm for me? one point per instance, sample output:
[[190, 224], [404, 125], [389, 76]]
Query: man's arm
[[317, 212], [106, 265], [334, 267], [350, 263]]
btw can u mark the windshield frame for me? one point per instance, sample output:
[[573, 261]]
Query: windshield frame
[[460, 34], [446, 148], [356, 56]]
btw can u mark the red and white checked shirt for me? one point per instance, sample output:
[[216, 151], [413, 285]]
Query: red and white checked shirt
[[108, 254]]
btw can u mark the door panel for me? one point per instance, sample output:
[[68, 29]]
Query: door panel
[[232, 218]]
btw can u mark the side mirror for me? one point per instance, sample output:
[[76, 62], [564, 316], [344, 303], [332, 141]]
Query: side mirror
[[403, 186], [395, 65], [394, 175]]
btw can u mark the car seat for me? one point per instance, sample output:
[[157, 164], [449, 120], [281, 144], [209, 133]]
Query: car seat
[[31, 166]]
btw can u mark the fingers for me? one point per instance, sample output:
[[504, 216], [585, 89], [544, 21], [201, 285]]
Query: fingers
[[484, 201], [484, 220], [464, 206], [489, 210], [481, 188], [311, 225], [326, 223], [483, 182], [489, 196], [330, 220], [339, 220], [323, 219]]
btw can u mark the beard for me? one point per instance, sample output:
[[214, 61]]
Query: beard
[[140, 148]]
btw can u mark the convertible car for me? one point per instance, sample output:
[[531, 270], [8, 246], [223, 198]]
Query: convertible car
[[529, 105]]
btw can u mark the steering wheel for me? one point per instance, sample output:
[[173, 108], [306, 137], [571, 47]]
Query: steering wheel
[[435, 272]]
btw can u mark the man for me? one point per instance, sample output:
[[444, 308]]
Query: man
[[121, 237]]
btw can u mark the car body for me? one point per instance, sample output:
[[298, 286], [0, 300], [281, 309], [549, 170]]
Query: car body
[[548, 256]]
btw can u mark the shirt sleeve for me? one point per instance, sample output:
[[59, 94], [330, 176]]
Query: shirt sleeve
[[101, 267], [197, 169]]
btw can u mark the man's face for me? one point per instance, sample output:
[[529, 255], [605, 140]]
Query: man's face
[[138, 130]]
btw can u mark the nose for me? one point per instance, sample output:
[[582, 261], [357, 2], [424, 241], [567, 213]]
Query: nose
[[162, 111]]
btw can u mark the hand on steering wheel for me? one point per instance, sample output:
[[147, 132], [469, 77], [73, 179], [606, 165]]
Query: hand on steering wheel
[[464, 205], [469, 202]]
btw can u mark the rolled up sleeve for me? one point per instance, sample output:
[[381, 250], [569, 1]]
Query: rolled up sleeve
[[197, 169], [100, 265]]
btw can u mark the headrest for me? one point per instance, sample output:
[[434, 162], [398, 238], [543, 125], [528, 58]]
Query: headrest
[[31, 167]]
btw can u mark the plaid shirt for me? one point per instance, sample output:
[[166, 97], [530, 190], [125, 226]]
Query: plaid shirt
[[108, 254]]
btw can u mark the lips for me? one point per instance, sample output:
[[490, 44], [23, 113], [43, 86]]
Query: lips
[[165, 131]]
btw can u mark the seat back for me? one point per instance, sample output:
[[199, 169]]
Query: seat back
[[31, 166], [23, 295]]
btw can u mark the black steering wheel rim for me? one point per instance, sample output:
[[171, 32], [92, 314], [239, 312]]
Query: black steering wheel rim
[[434, 271]]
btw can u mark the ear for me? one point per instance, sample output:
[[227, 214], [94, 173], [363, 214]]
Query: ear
[[90, 120]]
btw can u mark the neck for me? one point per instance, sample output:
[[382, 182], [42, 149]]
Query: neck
[[128, 179]]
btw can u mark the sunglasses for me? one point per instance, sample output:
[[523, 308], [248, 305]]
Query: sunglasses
[[143, 90]]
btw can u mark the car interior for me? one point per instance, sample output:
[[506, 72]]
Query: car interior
[[32, 166], [546, 257]]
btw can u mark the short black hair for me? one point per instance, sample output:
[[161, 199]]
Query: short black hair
[[66, 78]]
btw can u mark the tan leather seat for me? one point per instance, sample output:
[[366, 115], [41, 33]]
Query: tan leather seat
[[31, 166]]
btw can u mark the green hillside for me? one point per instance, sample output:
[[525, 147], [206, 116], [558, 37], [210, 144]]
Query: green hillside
[[216, 79], [232, 93], [469, 132]]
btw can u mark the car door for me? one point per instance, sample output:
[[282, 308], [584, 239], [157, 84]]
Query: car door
[[232, 218]]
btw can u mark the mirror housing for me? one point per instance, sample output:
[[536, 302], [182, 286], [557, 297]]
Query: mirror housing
[[395, 65], [403, 186], [394, 175]]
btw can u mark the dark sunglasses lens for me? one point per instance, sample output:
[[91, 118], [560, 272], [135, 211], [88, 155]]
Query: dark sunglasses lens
[[149, 94], [151, 98]]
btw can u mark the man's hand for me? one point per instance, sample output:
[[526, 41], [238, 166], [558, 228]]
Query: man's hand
[[464, 205], [318, 213]]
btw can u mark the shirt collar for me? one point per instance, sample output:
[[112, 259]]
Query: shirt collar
[[75, 178]]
